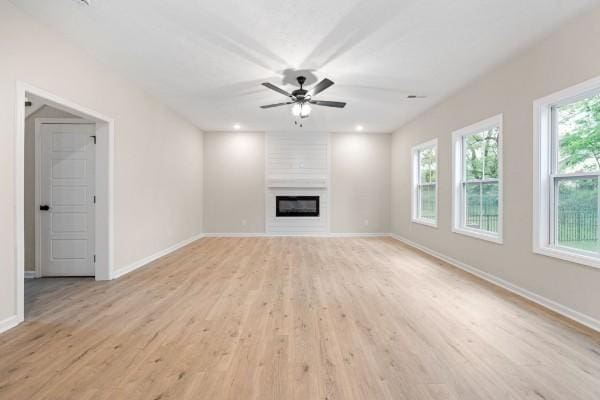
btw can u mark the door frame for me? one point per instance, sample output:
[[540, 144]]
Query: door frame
[[104, 228], [38, 182]]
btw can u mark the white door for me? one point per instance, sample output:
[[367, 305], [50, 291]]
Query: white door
[[67, 172]]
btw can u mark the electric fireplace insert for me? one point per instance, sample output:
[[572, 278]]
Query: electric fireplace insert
[[297, 206]]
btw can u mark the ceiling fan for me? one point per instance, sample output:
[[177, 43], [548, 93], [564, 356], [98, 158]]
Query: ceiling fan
[[302, 98]]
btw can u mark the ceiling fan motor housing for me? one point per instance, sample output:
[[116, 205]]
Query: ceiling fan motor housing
[[300, 94]]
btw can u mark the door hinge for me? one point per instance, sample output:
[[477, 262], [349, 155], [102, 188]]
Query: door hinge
[[94, 259], [94, 199], [94, 137]]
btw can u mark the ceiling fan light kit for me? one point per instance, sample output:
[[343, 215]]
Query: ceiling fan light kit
[[301, 99], [301, 110]]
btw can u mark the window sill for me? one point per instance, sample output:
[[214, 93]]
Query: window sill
[[425, 222], [490, 237], [573, 256]]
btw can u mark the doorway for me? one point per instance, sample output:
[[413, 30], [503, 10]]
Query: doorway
[[65, 197], [73, 202]]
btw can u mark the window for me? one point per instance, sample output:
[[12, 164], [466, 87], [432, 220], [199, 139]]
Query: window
[[567, 174], [424, 191], [477, 190]]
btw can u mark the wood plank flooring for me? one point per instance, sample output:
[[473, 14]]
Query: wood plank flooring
[[293, 318]]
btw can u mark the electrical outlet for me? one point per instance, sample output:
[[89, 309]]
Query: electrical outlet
[[244, 222], [366, 222]]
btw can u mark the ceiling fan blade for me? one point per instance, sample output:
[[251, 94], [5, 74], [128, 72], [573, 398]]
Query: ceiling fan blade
[[336, 104], [319, 87], [277, 105], [278, 90]]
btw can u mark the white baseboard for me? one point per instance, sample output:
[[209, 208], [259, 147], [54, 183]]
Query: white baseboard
[[9, 323], [140, 263], [263, 234], [358, 234], [30, 274], [234, 234], [563, 310]]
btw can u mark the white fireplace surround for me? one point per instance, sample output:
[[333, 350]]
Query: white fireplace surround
[[297, 164]]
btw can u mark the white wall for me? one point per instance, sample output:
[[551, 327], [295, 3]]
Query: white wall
[[360, 183], [234, 182], [158, 155], [569, 56], [235, 169]]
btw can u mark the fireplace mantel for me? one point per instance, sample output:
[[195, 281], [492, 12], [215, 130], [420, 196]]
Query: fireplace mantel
[[317, 183]]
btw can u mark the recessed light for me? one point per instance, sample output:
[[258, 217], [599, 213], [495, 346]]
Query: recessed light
[[359, 128], [237, 127]]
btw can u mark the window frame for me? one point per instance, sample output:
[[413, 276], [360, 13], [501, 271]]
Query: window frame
[[416, 183], [459, 180], [546, 174]]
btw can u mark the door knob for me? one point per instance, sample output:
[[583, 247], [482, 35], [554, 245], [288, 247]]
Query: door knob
[[44, 208]]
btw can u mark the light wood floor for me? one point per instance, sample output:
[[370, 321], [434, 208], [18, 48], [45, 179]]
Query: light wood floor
[[293, 318]]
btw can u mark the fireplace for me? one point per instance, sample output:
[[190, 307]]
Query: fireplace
[[297, 206]]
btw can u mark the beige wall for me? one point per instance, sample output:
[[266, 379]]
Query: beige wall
[[158, 155], [43, 112], [570, 56], [234, 182], [360, 183]]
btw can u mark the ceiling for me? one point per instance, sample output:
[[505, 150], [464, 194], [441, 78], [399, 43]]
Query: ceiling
[[206, 59]]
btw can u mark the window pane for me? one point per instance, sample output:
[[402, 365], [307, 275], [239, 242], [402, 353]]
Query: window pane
[[473, 205], [489, 207], [481, 155], [577, 214], [473, 156], [427, 206], [490, 153], [481, 210], [579, 136], [427, 166]]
